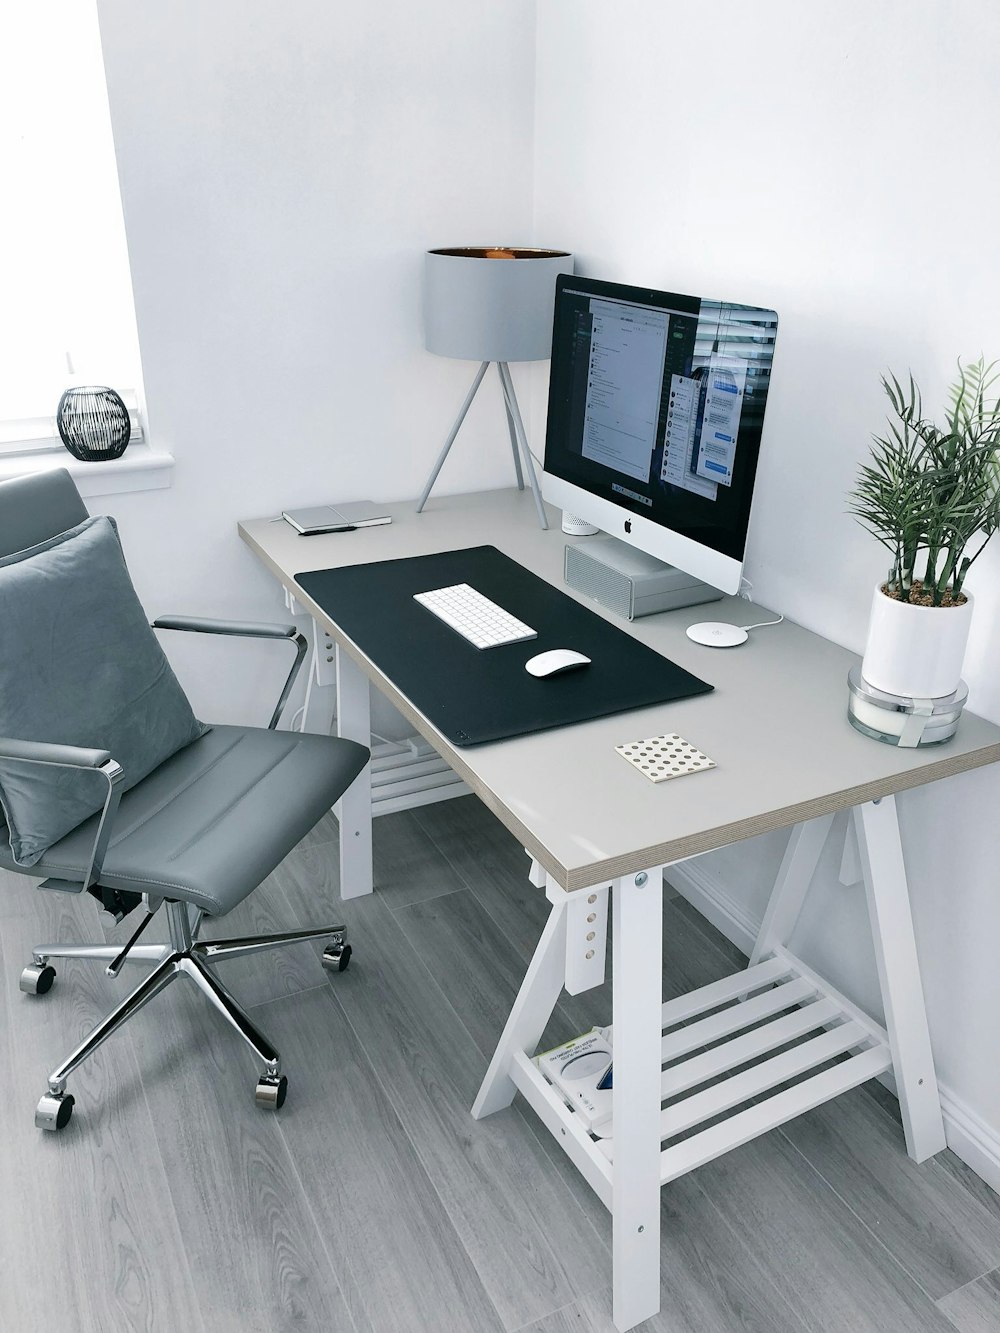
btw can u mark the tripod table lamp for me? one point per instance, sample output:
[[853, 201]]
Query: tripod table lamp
[[492, 304]]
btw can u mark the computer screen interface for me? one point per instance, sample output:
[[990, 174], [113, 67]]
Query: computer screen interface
[[656, 403]]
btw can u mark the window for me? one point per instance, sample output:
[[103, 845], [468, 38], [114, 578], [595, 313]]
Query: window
[[66, 309]]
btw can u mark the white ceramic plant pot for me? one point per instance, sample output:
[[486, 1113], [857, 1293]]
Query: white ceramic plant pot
[[916, 651]]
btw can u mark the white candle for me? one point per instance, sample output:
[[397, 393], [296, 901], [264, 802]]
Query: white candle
[[890, 722]]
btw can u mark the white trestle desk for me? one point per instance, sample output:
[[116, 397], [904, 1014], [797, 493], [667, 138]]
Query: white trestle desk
[[786, 755]]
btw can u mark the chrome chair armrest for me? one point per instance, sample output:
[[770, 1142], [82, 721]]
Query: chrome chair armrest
[[246, 630], [79, 757]]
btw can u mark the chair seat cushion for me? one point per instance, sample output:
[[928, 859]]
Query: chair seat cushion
[[217, 817], [79, 665]]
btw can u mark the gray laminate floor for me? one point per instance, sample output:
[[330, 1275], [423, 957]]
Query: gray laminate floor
[[373, 1202]]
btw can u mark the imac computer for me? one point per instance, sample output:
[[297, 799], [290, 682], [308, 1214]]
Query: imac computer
[[656, 404]]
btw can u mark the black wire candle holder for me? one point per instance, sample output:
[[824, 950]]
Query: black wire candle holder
[[93, 423]]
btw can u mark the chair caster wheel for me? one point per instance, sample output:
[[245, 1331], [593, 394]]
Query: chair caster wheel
[[53, 1111], [271, 1091], [336, 957], [37, 979]]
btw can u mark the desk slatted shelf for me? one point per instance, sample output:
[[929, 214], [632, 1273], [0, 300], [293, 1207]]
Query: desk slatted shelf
[[824, 1046], [405, 774]]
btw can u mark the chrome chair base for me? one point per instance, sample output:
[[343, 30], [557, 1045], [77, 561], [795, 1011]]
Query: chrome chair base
[[185, 956]]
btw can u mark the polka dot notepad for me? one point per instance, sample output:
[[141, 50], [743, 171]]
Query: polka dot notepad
[[664, 757]]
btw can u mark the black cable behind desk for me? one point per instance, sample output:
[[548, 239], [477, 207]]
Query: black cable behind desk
[[476, 695]]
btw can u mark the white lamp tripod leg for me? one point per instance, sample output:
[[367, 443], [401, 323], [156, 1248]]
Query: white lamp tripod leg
[[518, 439], [510, 398], [513, 433], [451, 438]]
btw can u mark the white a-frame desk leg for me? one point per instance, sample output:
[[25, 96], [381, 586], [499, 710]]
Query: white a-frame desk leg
[[570, 953], [884, 875], [637, 988], [354, 809], [899, 976], [791, 885], [538, 996]]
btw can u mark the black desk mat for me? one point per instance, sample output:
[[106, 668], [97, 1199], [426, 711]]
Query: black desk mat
[[475, 695]]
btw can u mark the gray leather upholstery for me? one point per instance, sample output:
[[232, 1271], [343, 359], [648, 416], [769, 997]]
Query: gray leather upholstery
[[210, 822], [79, 665], [216, 818], [34, 508]]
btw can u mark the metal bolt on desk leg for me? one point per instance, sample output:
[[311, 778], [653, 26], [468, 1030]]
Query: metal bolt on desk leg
[[640, 879]]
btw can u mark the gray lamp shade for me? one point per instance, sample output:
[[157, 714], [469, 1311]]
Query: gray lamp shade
[[491, 303]]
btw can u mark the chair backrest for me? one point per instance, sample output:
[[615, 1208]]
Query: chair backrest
[[34, 508]]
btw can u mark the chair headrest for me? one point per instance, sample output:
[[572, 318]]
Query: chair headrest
[[37, 507]]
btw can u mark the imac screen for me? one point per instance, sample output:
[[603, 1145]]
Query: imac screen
[[656, 403]]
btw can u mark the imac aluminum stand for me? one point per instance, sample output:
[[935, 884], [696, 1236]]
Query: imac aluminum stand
[[518, 439], [630, 582]]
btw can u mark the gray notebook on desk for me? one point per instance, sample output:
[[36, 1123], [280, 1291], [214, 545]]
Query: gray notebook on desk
[[336, 518]]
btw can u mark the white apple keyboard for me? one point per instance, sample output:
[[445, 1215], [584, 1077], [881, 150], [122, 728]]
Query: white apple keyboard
[[475, 617]]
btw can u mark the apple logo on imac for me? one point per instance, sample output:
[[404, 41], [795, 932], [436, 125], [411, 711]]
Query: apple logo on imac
[[628, 525]]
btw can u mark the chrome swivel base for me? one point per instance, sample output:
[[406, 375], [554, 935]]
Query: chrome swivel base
[[185, 956]]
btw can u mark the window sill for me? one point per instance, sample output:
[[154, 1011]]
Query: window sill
[[138, 469]]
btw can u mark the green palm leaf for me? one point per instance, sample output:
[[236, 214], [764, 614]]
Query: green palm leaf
[[928, 492]]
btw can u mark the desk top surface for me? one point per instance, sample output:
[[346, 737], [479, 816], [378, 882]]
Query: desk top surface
[[776, 724]]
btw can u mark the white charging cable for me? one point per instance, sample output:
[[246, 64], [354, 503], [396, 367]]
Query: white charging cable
[[761, 624], [746, 592]]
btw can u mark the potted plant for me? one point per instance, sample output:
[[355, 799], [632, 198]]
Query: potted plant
[[931, 495]]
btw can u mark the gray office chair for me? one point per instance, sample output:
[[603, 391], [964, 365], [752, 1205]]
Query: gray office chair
[[195, 837]]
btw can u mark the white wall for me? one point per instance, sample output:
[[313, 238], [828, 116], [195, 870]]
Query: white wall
[[282, 169], [838, 162]]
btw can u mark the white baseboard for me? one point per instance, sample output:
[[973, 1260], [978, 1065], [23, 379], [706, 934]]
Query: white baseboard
[[971, 1138], [967, 1135]]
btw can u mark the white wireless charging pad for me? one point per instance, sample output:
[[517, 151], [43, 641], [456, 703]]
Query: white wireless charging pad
[[717, 634]]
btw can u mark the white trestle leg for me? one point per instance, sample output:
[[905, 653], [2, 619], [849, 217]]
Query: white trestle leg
[[539, 993], [354, 809], [899, 976], [732, 1060], [637, 988], [791, 886], [586, 939]]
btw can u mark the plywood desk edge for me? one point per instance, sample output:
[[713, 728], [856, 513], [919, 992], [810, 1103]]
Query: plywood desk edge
[[578, 877]]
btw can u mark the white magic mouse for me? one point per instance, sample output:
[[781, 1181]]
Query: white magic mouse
[[555, 662], [717, 634]]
